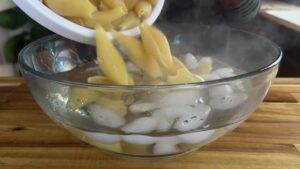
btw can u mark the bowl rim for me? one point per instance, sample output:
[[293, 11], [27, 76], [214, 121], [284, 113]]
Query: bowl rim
[[24, 66]]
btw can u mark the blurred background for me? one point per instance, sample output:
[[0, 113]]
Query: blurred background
[[279, 20]]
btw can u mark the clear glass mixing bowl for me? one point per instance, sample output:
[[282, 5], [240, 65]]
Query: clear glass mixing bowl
[[161, 120]]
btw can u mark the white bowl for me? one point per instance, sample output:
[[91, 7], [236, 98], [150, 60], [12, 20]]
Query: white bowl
[[58, 24]]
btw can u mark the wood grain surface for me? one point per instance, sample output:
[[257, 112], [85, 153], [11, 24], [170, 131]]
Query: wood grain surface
[[270, 139]]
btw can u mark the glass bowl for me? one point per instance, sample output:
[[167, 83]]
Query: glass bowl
[[153, 121]]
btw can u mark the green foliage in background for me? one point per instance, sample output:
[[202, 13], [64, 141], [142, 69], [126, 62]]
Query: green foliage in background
[[13, 19]]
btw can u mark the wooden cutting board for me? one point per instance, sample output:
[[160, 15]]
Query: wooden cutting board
[[270, 139]]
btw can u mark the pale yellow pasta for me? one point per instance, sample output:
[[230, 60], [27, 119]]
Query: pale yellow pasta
[[204, 66], [130, 3], [80, 97], [128, 21], [155, 46], [183, 75], [177, 64], [116, 105], [163, 45], [99, 80], [133, 148], [143, 9], [82, 8], [77, 20], [95, 2], [115, 3], [105, 18], [91, 23], [110, 61], [103, 7], [157, 82], [136, 53], [100, 5], [153, 2]]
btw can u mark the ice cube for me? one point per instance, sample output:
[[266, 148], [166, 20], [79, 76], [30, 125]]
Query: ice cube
[[102, 137], [210, 77], [190, 61], [171, 139], [193, 119], [99, 137], [220, 91], [141, 125], [141, 107], [205, 66], [65, 60], [138, 139], [57, 97], [224, 72], [239, 84], [164, 147], [197, 137], [164, 124], [180, 97], [170, 112], [228, 102], [105, 116]]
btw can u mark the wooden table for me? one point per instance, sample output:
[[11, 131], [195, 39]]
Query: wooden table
[[270, 139]]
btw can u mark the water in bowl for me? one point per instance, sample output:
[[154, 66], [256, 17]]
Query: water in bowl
[[156, 123]]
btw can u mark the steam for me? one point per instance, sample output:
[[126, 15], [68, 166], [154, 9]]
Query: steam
[[215, 37]]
